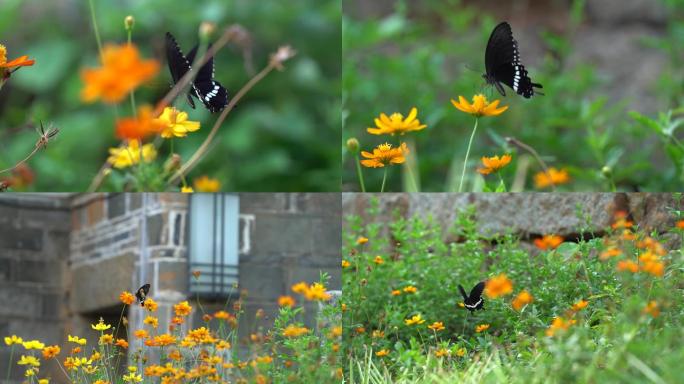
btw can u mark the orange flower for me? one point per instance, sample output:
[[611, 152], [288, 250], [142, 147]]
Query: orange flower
[[286, 301], [494, 163], [652, 309], [627, 265], [122, 71], [680, 224], [396, 123], [396, 292], [222, 315], [378, 260], [559, 324], [141, 334], [578, 306], [498, 286], [126, 297], [410, 289], [139, 127], [481, 328], [655, 268], [521, 300], [610, 252], [121, 343], [436, 326], [553, 177], [382, 352], [6, 67], [164, 340], [479, 107], [384, 155], [51, 351], [441, 352], [548, 242], [206, 184], [361, 240], [182, 308]]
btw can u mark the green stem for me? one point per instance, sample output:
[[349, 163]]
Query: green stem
[[465, 319], [358, 172], [135, 111], [9, 366], [465, 162], [384, 178], [97, 32], [501, 180]]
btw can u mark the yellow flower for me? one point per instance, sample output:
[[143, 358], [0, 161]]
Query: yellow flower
[[396, 292], [410, 289], [150, 304], [384, 155], [494, 163], [378, 260], [396, 123], [461, 352], [43, 381], [481, 328], [182, 308], [122, 71], [317, 291], [222, 315], [164, 340], [151, 320], [132, 378], [652, 309], [176, 123], [361, 240], [138, 127], [294, 331], [29, 360], [479, 107], [77, 340], [436, 326], [286, 301], [521, 300], [33, 344], [345, 264], [578, 306], [51, 351], [382, 352], [548, 242], [377, 334], [126, 297], [187, 189], [6, 67], [130, 155], [29, 372], [441, 352], [416, 319], [498, 286], [141, 334], [552, 177], [14, 339], [206, 184], [300, 287], [101, 326], [106, 339]]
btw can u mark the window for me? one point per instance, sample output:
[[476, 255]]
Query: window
[[213, 243]]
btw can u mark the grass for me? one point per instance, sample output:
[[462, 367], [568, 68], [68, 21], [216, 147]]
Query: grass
[[618, 295]]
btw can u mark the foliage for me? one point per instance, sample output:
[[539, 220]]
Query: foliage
[[620, 325], [277, 138], [434, 53]]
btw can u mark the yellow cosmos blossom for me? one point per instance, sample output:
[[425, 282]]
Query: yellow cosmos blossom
[[396, 123], [132, 378], [14, 339], [345, 264], [187, 189], [498, 286], [43, 381], [382, 352], [206, 184], [182, 308], [410, 289], [317, 292], [361, 240], [286, 301], [294, 331], [521, 300], [494, 163], [176, 123], [101, 326], [33, 344], [77, 340], [441, 352], [150, 304], [461, 352], [378, 260], [548, 242], [436, 326], [479, 107], [414, 320], [29, 360], [552, 177], [151, 320], [129, 155], [384, 155], [481, 328]]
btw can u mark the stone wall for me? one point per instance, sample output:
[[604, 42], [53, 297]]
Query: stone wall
[[34, 251], [527, 215]]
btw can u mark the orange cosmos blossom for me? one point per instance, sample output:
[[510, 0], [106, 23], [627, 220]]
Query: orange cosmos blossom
[[127, 298], [479, 107], [521, 300], [494, 163], [548, 242], [140, 126], [6, 67], [396, 123], [552, 177], [122, 71], [498, 286], [559, 324], [384, 155], [206, 184]]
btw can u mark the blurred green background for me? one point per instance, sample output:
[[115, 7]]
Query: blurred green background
[[281, 137], [612, 75]]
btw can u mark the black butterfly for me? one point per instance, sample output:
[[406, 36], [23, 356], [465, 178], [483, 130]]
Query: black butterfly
[[502, 63], [210, 92], [473, 301], [141, 294]]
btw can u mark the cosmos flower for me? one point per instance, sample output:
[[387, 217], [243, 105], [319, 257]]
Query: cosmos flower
[[479, 107], [396, 123]]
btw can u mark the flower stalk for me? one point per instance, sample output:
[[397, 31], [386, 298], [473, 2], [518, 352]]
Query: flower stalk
[[465, 161]]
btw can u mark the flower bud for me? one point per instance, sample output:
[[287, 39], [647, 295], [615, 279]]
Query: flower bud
[[128, 22], [607, 171], [353, 145], [173, 163], [206, 29]]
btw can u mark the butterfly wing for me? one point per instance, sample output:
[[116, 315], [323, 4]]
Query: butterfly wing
[[212, 94], [179, 64], [463, 292], [475, 300], [141, 293], [502, 63]]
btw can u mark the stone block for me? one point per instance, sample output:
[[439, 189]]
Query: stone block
[[99, 284], [95, 212], [262, 282], [38, 271], [262, 202], [172, 275], [156, 229], [134, 201], [326, 235], [621, 12], [53, 305], [116, 205], [22, 302], [21, 239], [327, 204], [5, 274], [281, 233]]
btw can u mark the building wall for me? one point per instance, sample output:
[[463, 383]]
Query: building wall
[[34, 252]]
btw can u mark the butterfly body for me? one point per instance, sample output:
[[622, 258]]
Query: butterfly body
[[209, 91], [502, 64], [474, 300], [141, 294]]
